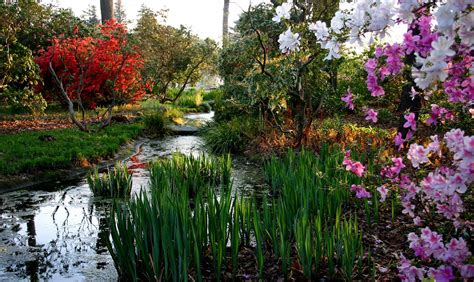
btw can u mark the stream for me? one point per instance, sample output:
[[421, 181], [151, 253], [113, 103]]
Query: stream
[[59, 233]]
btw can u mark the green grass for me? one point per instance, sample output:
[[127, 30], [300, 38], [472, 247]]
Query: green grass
[[26, 153]]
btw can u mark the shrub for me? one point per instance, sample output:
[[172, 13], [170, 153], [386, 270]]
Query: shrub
[[155, 122], [190, 99], [212, 95], [386, 116], [231, 137], [116, 183]]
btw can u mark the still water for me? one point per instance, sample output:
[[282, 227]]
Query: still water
[[60, 234]]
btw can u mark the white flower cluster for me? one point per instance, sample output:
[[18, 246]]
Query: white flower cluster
[[289, 41], [283, 12], [375, 16], [434, 67]]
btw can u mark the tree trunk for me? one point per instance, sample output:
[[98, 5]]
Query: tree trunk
[[407, 102], [106, 10], [225, 23]]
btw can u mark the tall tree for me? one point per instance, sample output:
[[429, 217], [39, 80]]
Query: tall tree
[[106, 10], [90, 15], [174, 57], [119, 12], [225, 23]]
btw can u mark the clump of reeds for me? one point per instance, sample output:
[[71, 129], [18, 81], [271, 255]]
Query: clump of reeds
[[115, 183]]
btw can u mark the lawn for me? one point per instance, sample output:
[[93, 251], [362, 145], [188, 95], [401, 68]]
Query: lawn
[[26, 152]]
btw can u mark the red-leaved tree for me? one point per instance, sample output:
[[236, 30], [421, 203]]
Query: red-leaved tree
[[87, 72]]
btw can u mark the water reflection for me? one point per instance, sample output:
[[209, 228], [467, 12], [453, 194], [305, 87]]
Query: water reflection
[[61, 233], [54, 236]]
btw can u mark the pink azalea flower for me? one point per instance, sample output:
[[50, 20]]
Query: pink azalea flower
[[397, 165], [435, 146], [454, 140], [467, 271], [417, 221], [371, 115], [410, 121], [383, 193], [360, 191], [442, 274], [408, 272], [348, 99], [355, 167], [399, 141], [418, 155]]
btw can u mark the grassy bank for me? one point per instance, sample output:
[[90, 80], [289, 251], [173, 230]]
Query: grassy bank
[[28, 152]]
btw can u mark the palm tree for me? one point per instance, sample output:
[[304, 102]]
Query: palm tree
[[106, 10]]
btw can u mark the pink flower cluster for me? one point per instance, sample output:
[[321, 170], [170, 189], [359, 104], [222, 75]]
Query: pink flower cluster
[[400, 141], [418, 154], [371, 115], [410, 121], [420, 43], [356, 167], [393, 171], [360, 191], [372, 81], [394, 62], [439, 114], [391, 56], [349, 100], [430, 244], [460, 84]]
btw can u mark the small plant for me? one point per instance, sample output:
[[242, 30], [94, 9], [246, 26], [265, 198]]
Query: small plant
[[191, 173], [190, 99], [116, 183], [231, 137], [155, 122]]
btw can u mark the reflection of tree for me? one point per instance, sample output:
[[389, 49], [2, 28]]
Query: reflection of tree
[[103, 235], [31, 266]]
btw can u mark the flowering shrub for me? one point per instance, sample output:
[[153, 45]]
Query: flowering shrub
[[97, 71], [435, 60]]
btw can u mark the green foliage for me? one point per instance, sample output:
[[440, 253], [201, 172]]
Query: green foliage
[[26, 28], [309, 185], [167, 233], [155, 122], [191, 172], [231, 137], [159, 235], [174, 57], [189, 99], [26, 153], [385, 116], [212, 94], [116, 183]]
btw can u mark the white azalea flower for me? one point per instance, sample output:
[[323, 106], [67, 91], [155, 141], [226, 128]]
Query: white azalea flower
[[466, 29], [320, 30], [445, 18], [382, 15], [337, 22], [441, 48], [333, 47], [289, 41], [405, 10], [282, 12]]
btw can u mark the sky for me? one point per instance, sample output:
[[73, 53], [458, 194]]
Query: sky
[[204, 17]]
